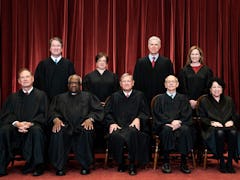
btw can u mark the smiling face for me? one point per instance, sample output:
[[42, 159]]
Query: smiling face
[[56, 48], [195, 56], [127, 82], [216, 90], [101, 63], [25, 79], [171, 83], [154, 45], [74, 84]]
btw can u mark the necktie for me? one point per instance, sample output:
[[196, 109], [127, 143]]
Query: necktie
[[55, 61], [153, 62], [127, 95]]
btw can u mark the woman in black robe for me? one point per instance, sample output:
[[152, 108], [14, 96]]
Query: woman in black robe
[[218, 119]]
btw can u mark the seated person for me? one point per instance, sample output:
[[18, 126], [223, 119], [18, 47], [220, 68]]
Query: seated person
[[218, 119], [72, 115], [172, 120], [22, 124], [127, 114]]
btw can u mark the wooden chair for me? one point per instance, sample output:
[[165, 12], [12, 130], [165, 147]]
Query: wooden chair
[[205, 149], [157, 142]]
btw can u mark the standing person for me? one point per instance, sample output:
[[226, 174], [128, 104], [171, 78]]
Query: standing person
[[127, 116], [72, 116], [22, 123], [101, 81], [51, 74], [194, 77], [150, 71], [193, 80], [172, 117], [218, 118]]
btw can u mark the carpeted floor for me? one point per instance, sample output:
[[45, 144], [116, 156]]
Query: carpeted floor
[[73, 173]]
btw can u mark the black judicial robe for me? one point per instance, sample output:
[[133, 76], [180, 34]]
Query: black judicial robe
[[101, 85], [194, 84], [73, 110], [151, 80], [53, 78], [165, 111], [211, 110], [20, 107], [122, 111]]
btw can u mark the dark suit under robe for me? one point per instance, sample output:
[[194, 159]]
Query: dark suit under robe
[[165, 111], [73, 110], [20, 107], [122, 111]]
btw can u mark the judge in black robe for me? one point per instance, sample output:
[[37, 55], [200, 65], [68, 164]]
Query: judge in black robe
[[127, 116], [193, 81], [22, 122], [51, 74], [72, 115], [218, 121], [148, 78], [102, 83], [194, 84], [172, 121]]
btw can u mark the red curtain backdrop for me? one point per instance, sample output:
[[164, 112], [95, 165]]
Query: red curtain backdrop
[[120, 28]]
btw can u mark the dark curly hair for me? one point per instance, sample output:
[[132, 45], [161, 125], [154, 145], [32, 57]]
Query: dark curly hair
[[218, 80]]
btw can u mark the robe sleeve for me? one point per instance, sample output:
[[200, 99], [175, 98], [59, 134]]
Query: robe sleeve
[[7, 115], [182, 82], [185, 112], [41, 115], [159, 117], [85, 83], [143, 114], [54, 112], [109, 115], [202, 113], [97, 111]]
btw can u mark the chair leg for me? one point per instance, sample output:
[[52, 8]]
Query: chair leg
[[106, 159], [205, 159], [193, 159], [155, 158], [156, 155]]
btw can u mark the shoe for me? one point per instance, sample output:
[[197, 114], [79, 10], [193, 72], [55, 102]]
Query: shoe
[[166, 168], [222, 168], [230, 169], [27, 168], [132, 170], [60, 173], [184, 168], [121, 168], [84, 171], [39, 170]]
